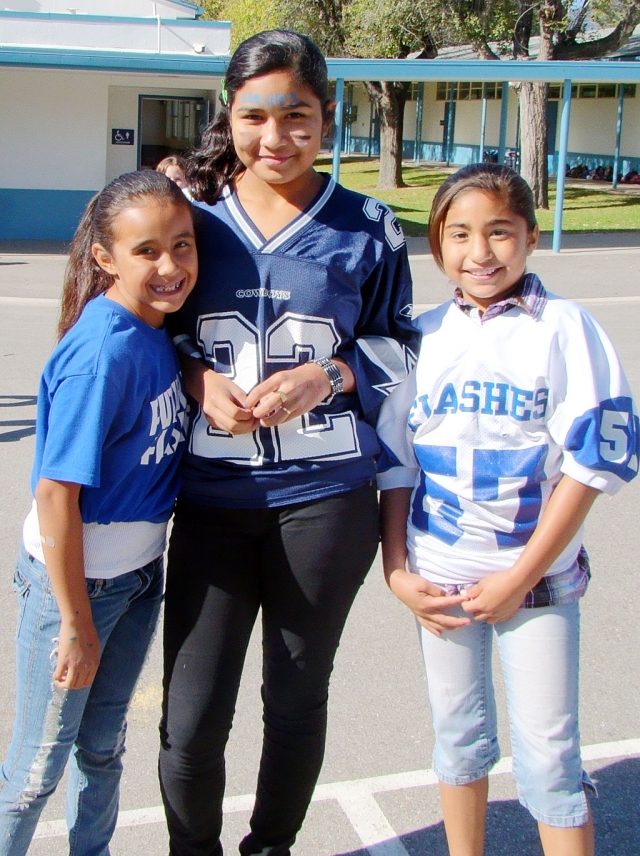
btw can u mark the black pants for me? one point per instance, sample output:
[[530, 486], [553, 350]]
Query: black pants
[[303, 564]]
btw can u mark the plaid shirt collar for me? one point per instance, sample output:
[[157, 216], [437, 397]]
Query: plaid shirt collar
[[529, 294]]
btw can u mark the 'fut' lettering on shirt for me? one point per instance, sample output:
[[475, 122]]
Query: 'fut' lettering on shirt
[[168, 417], [493, 399]]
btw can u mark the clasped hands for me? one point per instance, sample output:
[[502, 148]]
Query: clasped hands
[[494, 599], [283, 396]]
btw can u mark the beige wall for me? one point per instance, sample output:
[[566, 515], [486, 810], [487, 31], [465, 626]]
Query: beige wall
[[56, 125], [53, 129]]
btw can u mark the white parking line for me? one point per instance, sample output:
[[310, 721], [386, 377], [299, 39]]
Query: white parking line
[[356, 798], [368, 820]]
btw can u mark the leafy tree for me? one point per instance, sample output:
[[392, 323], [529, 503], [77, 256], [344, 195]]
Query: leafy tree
[[355, 28], [565, 31], [247, 18]]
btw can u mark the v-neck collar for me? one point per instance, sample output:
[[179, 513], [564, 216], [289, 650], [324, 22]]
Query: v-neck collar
[[253, 234]]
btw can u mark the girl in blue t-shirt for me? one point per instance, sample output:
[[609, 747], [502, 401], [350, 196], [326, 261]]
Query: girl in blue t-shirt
[[89, 577]]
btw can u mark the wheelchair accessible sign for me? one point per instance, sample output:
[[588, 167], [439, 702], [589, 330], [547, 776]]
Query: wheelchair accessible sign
[[122, 136]]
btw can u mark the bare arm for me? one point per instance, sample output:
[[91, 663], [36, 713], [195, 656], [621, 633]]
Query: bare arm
[[498, 596], [61, 528], [426, 600]]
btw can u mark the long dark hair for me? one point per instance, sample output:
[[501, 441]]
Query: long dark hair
[[215, 162], [491, 178], [84, 279]]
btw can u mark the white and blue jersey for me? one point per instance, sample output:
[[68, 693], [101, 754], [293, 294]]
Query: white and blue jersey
[[111, 414], [491, 418], [334, 282]]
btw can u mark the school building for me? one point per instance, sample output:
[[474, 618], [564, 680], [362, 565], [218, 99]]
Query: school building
[[88, 93], [90, 89], [449, 121]]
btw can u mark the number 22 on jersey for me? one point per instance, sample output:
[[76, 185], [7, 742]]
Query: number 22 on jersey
[[235, 347]]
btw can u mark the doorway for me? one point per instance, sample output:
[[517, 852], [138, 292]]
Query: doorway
[[169, 126]]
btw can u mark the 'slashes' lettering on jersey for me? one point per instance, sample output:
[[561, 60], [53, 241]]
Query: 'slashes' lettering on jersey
[[486, 397]]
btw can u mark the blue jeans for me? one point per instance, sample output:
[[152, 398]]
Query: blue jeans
[[88, 726], [539, 650]]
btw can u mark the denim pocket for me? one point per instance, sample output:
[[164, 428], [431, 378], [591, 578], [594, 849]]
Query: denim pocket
[[95, 587], [20, 583], [21, 587]]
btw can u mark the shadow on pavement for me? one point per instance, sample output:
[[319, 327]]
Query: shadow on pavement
[[13, 430], [511, 831]]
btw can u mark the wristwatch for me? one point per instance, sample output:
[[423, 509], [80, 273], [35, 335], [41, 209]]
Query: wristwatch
[[333, 373]]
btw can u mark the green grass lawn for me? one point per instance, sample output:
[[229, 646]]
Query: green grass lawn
[[585, 209]]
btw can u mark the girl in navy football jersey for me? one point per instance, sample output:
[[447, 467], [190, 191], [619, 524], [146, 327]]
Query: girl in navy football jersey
[[89, 579], [300, 329], [516, 416]]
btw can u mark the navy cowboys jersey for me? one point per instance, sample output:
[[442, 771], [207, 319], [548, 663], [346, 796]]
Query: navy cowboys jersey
[[334, 282]]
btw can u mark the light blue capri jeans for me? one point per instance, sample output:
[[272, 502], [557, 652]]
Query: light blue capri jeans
[[88, 726], [539, 650]]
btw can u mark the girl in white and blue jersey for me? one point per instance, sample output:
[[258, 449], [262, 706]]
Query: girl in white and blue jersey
[[516, 417], [89, 579]]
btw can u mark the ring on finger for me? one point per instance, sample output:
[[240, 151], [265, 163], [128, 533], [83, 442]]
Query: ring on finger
[[283, 396], [288, 412]]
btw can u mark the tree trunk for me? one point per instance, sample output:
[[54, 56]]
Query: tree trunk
[[390, 99], [533, 124]]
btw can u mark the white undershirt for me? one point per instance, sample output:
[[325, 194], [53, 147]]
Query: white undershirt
[[109, 550]]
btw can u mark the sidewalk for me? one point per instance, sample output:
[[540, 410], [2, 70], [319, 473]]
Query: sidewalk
[[416, 246]]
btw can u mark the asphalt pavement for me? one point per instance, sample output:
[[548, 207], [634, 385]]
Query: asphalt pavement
[[377, 794]]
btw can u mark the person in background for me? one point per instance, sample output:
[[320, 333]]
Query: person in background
[[174, 168]]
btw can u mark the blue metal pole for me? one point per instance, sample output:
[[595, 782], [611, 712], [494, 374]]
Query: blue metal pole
[[419, 102], [504, 111], [349, 110], [450, 122], [562, 164], [616, 157], [337, 121], [483, 121]]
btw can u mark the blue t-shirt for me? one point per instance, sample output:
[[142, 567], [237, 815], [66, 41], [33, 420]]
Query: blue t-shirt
[[111, 416], [335, 282]]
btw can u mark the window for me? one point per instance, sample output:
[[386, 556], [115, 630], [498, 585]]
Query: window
[[587, 90], [593, 90], [607, 90], [464, 91]]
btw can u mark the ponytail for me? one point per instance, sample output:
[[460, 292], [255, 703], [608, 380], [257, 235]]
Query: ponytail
[[83, 278]]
